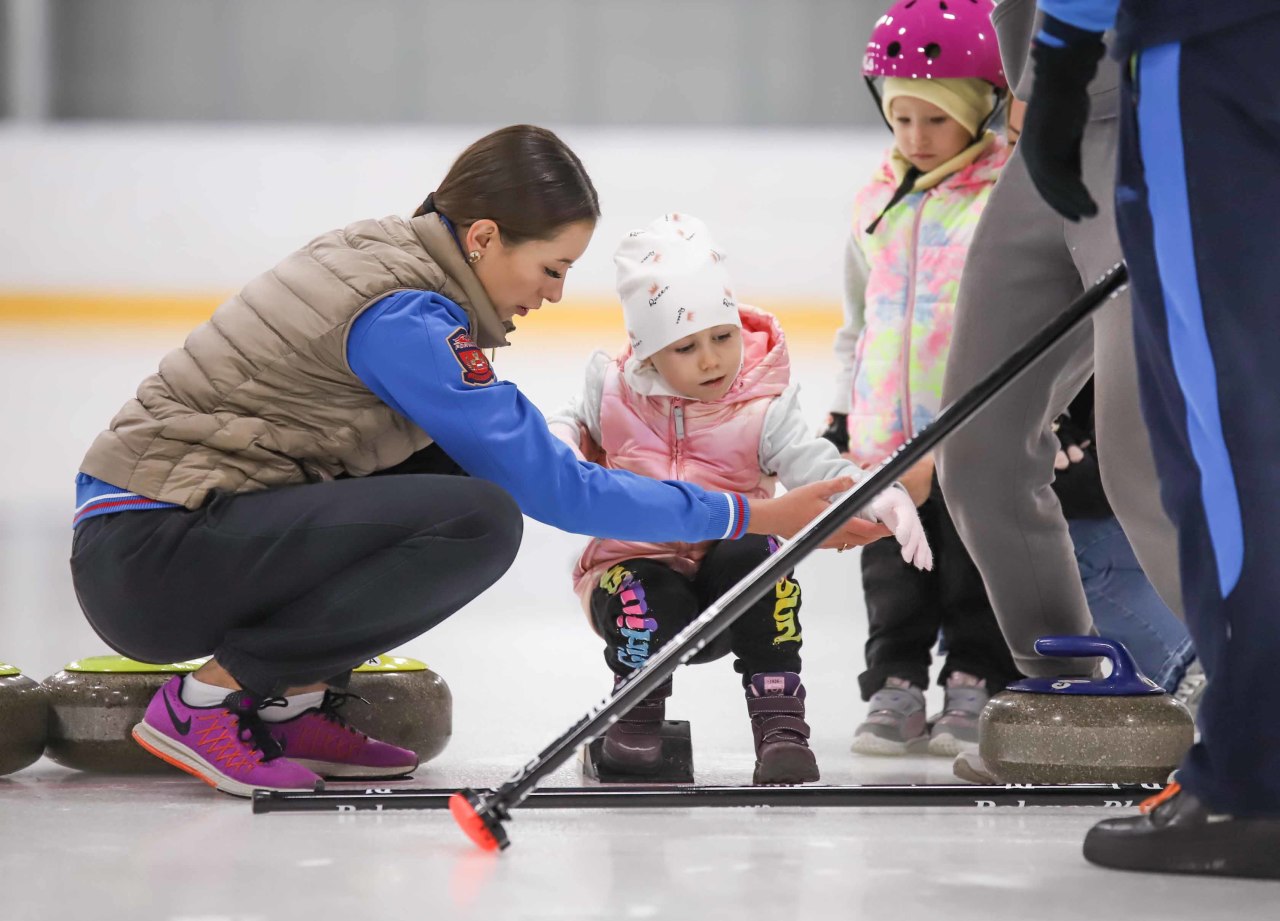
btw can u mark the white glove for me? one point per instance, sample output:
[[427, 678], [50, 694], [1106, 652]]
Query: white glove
[[895, 510]]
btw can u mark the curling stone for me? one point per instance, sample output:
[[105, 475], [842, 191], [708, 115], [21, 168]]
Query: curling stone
[[94, 704], [1119, 729], [408, 705], [24, 720]]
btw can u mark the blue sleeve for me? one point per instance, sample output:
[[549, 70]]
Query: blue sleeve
[[1089, 15], [413, 350]]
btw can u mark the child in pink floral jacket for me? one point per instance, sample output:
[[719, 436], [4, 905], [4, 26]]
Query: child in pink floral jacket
[[912, 226]]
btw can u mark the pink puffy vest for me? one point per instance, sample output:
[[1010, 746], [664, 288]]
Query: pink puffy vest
[[715, 445]]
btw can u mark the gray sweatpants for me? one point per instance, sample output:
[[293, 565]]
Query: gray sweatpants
[[1025, 265]]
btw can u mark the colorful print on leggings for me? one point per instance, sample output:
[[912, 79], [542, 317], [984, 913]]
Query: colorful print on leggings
[[634, 623], [787, 599]]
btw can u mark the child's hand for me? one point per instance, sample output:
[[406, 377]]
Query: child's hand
[[787, 514], [896, 509]]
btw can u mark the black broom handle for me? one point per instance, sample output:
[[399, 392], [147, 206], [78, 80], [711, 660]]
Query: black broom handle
[[383, 799]]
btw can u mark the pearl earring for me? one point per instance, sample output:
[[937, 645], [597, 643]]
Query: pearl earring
[[473, 257]]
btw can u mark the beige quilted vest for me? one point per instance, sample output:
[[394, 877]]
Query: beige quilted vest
[[262, 396]]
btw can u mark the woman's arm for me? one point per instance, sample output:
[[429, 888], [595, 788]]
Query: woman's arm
[[413, 351]]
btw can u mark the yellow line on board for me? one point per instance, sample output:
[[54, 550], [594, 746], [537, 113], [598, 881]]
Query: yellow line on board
[[596, 317]]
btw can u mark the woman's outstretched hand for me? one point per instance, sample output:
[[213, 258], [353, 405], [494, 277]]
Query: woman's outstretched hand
[[787, 514]]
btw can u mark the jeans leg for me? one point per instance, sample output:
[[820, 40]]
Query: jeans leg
[[1124, 604]]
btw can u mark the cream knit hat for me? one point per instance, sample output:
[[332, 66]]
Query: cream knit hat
[[966, 99], [672, 283]]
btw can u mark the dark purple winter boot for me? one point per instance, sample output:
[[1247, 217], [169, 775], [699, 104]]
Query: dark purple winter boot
[[633, 745], [775, 702]]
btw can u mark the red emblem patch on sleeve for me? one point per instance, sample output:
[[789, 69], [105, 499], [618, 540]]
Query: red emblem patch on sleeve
[[476, 369]]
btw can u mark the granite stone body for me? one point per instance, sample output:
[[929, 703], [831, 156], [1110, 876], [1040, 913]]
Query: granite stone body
[[1052, 738], [91, 718], [24, 718], [409, 708]]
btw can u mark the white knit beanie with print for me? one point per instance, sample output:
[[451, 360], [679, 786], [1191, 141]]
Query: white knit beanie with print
[[672, 283]]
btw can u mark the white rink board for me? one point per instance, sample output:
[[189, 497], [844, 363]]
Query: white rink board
[[196, 209]]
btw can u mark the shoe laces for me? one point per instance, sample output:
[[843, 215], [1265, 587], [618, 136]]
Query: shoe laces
[[333, 702], [1151, 804], [250, 728]]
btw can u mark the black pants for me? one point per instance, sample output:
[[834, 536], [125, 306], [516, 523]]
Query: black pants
[[295, 585], [641, 604], [906, 609], [1196, 199]]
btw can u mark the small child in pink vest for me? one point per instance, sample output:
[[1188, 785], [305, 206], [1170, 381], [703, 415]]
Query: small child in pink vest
[[703, 394]]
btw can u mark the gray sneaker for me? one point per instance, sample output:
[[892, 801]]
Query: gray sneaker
[[896, 723], [956, 730], [1191, 688]]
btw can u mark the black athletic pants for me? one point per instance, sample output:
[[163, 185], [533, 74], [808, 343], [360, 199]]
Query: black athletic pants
[[641, 604], [295, 585], [907, 607]]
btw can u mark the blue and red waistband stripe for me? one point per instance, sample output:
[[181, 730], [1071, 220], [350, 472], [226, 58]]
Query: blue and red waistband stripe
[[116, 502]]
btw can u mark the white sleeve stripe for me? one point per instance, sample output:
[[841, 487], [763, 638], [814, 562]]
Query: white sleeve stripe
[[733, 516]]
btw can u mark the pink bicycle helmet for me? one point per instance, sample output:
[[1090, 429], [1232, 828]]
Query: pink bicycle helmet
[[935, 38]]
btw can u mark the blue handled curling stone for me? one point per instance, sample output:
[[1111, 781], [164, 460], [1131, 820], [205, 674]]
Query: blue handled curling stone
[[24, 720], [404, 703], [1120, 729]]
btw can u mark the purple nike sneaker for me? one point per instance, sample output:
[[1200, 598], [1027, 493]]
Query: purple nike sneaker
[[320, 739], [227, 746]]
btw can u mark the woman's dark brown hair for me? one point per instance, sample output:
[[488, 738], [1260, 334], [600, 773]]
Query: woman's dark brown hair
[[523, 178]]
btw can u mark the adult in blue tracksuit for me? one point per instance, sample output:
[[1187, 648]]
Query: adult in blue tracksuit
[[240, 506], [1197, 197]]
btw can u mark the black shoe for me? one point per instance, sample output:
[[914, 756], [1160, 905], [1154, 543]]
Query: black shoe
[[775, 703], [1177, 834], [633, 745]]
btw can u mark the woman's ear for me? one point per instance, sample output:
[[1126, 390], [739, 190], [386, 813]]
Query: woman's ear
[[481, 235]]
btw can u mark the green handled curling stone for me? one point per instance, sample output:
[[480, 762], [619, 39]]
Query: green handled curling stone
[[408, 705], [94, 704], [1119, 729], [24, 720]]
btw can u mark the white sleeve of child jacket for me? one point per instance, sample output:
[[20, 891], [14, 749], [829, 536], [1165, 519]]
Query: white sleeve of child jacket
[[789, 449], [582, 412], [855, 313]]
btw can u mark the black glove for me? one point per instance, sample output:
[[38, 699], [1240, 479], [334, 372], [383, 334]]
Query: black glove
[[1073, 441], [1066, 59], [1077, 479], [837, 431]]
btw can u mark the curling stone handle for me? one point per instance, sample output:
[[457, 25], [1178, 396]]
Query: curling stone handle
[[1123, 669]]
